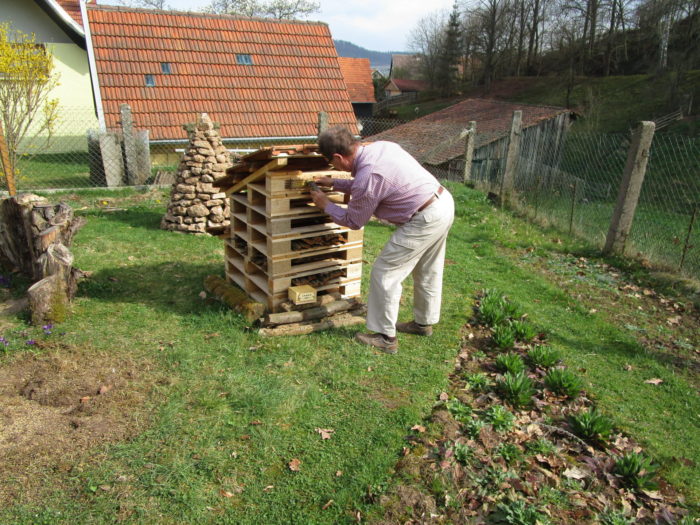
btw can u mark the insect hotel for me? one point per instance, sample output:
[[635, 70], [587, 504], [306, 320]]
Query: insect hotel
[[282, 250]]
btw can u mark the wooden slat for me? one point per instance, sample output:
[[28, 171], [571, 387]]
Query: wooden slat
[[275, 163]]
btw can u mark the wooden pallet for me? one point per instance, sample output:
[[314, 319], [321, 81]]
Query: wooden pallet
[[278, 238]]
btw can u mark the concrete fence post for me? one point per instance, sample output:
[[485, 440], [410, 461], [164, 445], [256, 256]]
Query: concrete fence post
[[469, 151], [630, 188], [512, 156], [130, 152], [322, 121]]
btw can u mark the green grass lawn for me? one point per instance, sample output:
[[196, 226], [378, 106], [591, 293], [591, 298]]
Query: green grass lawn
[[227, 411]]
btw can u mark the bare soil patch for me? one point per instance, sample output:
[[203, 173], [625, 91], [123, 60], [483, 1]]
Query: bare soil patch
[[56, 407]]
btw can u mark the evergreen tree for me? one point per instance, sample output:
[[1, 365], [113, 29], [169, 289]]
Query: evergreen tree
[[450, 54]]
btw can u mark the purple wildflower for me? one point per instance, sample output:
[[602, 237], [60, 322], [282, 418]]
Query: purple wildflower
[[47, 328], [4, 341], [31, 342]]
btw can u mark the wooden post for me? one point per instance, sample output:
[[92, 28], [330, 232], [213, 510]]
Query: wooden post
[[469, 152], [7, 168], [686, 244], [322, 121], [130, 153], [573, 205], [512, 156], [630, 188]]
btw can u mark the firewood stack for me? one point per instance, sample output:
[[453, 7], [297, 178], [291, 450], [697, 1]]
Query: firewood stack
[[35, 237], [197, 202]]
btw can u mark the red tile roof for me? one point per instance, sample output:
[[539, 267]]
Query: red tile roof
[[358, 78], [406, 85], [72, 7], [294, 72], [428, 138]]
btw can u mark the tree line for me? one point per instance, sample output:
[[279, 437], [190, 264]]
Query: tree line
[[477, 43]]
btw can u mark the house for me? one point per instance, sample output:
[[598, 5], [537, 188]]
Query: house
[[434, 138], [262, 80], [56, 25], [406, 66], [403, 86], [358, 79]]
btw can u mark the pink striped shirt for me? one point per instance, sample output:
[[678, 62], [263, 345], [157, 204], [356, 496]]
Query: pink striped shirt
[[387, 183]]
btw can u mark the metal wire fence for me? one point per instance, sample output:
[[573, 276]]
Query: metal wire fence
[[569, 181], [572, 184]]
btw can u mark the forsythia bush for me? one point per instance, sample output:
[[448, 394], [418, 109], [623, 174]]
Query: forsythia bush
[[26, 80]]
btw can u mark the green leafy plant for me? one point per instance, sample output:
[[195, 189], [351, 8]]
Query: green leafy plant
[[524, 330], [492, 310], [518, 512], [509, 452], [473, 426], [500, 418], [636, 471], [463, 453], [591, 426], [516, 388], [614, 517], [477, 381], [459, 410], [503, 336], [563, 382], [540, 446], [543, 356], [512, 309], [510, 362]]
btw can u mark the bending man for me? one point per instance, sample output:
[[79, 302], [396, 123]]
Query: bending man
[[389, 183]]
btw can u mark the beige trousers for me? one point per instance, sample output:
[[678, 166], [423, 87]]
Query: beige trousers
[[418, 248]]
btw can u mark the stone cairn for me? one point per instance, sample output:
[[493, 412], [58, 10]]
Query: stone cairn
[[197, 205]]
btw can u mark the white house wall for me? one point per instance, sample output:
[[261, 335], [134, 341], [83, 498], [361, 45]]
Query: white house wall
[[74, 90]]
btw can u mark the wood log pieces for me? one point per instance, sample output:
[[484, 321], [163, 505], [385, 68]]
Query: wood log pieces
[[342, 319], [34, 240], [234, 297], [312, 313]]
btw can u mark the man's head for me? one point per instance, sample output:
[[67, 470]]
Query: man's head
[[338, 145]]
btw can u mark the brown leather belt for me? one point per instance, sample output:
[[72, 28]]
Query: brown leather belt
[[430, 200]]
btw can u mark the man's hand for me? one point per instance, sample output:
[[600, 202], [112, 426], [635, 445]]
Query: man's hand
[[320, 199], [326, 182]]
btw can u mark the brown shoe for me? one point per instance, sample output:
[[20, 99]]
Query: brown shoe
[[414, 328], [378, 341]]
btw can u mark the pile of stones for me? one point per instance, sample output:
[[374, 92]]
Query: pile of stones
[[197, 205]]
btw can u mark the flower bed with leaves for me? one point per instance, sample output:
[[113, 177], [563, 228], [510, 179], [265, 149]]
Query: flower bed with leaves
[[518, 440]]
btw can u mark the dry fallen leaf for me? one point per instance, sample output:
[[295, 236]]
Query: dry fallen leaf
[[628, 368], [676, 320], [256, 422], [85, 399], [654, 381], [326, 433], [418, 428], [575, 473], [202, 295], [268, 488], [338, 473], [104, 389], [328, 504], [294, 465], [444, 396], [227, 494]]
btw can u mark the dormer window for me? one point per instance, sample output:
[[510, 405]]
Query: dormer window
[[165, 68], [150, 81], [244, 60]]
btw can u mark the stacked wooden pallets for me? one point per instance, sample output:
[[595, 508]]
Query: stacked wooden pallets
[[278, 238]]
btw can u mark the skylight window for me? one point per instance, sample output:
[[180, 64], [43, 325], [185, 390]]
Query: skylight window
[[165, 68], [244, 60], [150, 81]]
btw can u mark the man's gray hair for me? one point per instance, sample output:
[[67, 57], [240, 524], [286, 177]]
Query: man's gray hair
[[336, 140]]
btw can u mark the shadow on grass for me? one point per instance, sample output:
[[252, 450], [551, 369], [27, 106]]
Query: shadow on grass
[[136, 217], [170, 287]]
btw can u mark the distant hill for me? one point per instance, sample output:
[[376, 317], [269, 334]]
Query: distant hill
[[378, 59]]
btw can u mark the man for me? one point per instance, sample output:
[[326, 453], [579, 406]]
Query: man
[[389, 183]]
